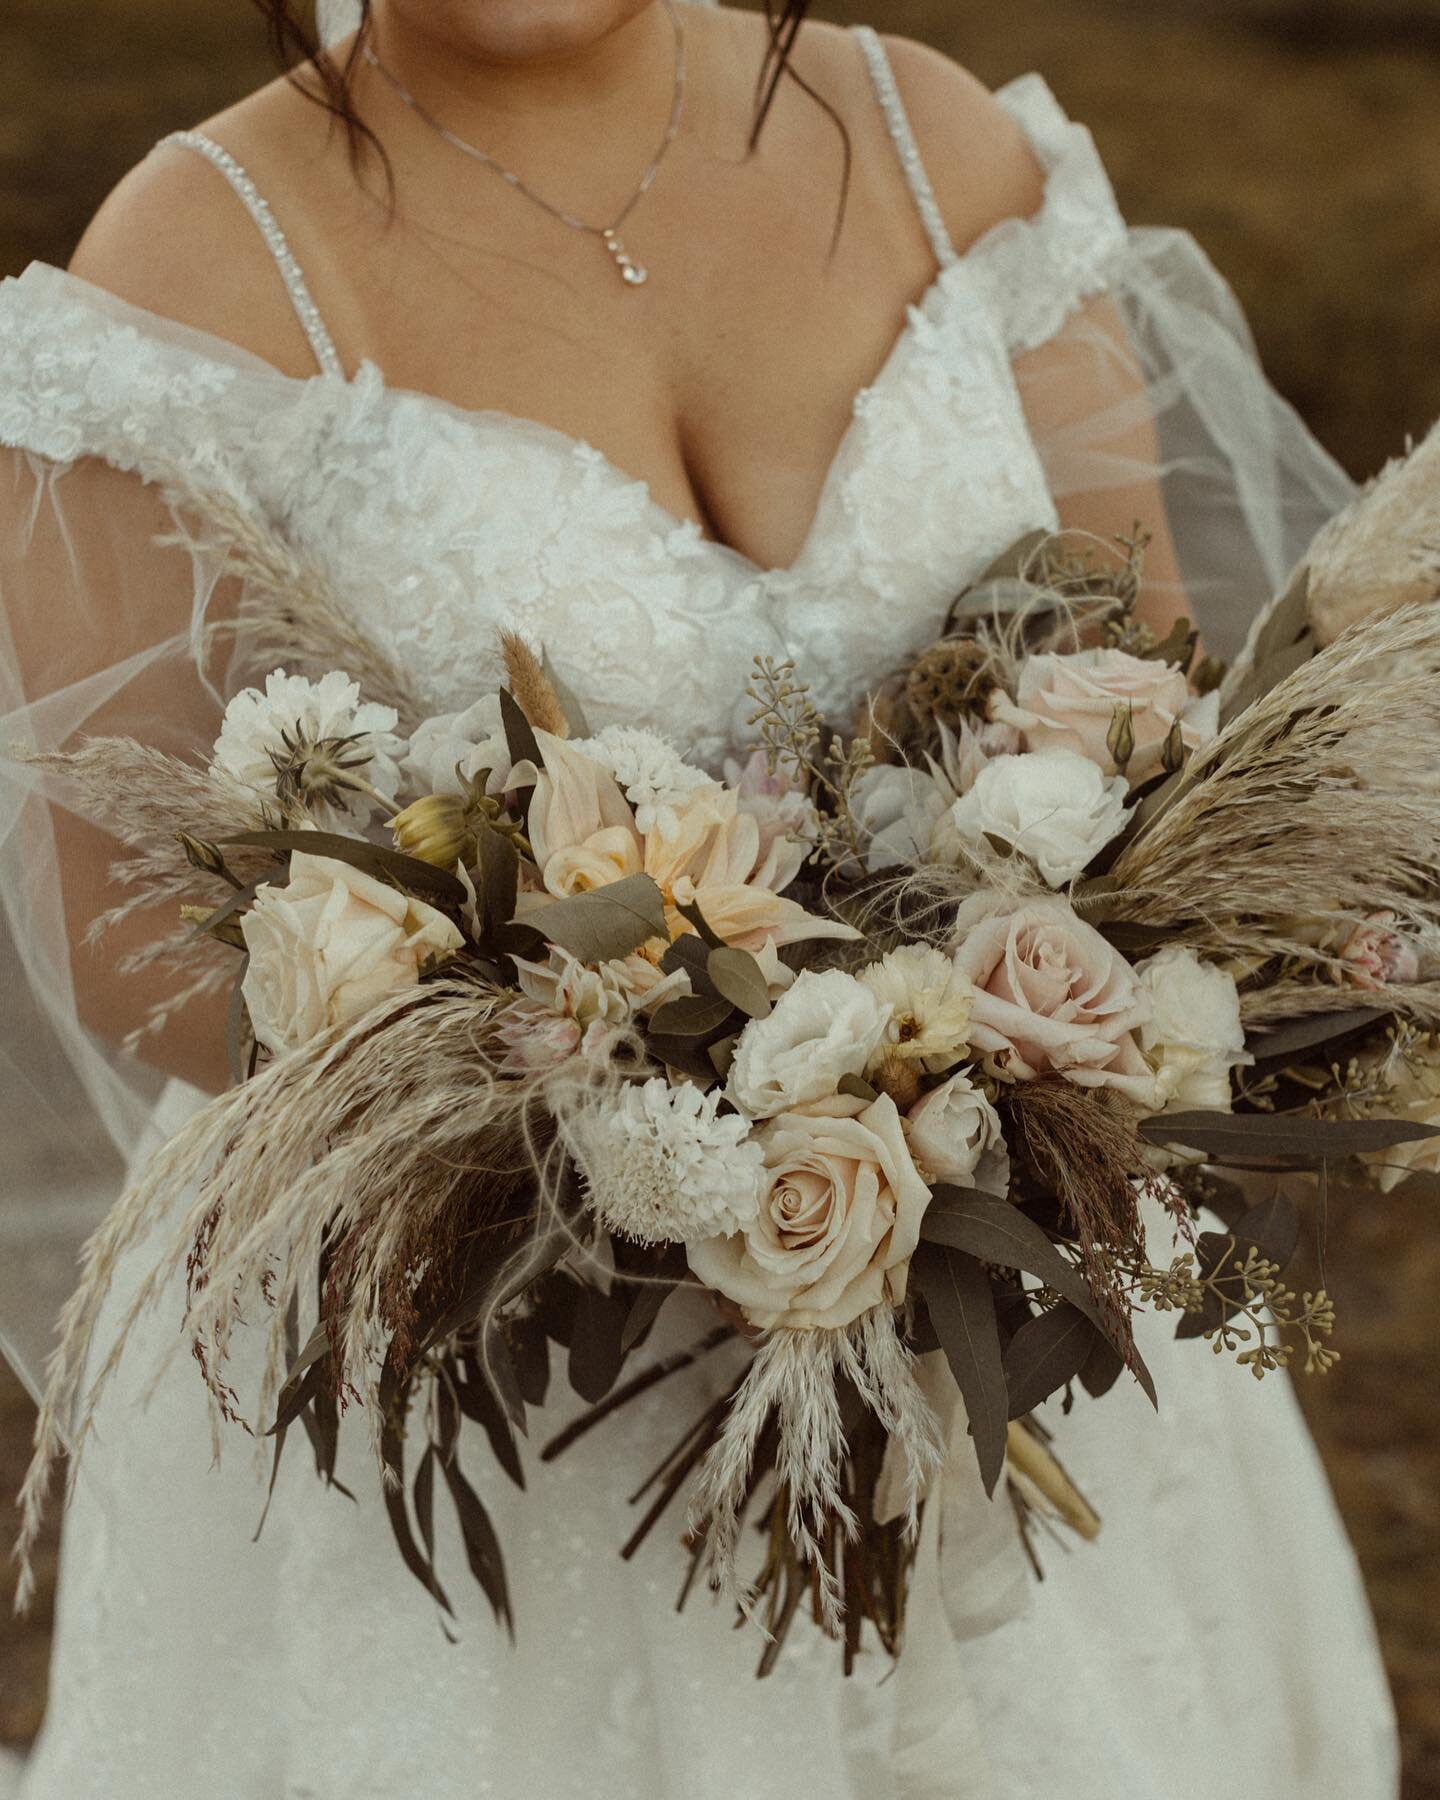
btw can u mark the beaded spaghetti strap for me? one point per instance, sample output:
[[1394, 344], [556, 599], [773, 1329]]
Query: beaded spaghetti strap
[[255, 204], [898, 123]]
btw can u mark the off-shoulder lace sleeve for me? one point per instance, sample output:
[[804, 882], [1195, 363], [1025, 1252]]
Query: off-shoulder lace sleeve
[[1035, 272]]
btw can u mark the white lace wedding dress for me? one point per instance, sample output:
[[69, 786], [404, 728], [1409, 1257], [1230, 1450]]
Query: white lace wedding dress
[[1215, 1639]]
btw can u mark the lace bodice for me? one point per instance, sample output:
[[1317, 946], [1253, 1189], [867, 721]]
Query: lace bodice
[[439, 524]]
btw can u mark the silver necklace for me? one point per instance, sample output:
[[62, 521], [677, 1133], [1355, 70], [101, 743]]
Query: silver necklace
[[632, 273]]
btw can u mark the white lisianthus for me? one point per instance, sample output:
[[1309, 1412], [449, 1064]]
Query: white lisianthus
[[1193, 1037], [331, 944], [448, 751], [955, 1136], [828, 1025], [316, 739], [929, 1003], [1052, 805], [655, 777], [664, 1166]]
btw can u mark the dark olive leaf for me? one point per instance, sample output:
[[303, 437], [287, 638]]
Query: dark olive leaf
[[856, 1087], [607, 923], [1133, 940], [690, 1015], [1102, 1368], [1286, 1041], [498, 868], [692, 955], [235, 1017], [1322, 1219], [574, 712], [530, 1359], [961, 1305], [690, 1055], [1282, 1135], [722, 1054], [479, 1405], [1286, 626], [392, 1454], [482, 1547], [1045, 1353], [423, 1497], [997, 1231], [1269, 674], [304, 1378], [224, 916], [691, 912], [737, 975], [596, 1343], [391, 866], [519, 732]]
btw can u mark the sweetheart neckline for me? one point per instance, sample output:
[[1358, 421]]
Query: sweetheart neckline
[[948, 283]]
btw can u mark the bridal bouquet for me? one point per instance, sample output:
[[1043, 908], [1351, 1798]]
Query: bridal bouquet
[[887, 1037]]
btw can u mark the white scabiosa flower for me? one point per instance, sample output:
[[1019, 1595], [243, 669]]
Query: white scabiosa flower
[[313, 744], [929, 1001], [664, 1166], [1054, 806], [655, 777]]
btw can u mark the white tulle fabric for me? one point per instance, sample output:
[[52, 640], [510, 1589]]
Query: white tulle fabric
[[1219, 1624]]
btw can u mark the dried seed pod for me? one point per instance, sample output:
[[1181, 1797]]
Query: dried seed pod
[[951, 680]]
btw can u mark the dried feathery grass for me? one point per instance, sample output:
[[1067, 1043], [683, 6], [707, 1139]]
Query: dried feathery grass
[[794, 1379], [1081, 1145], [289, 612], [1312, 803], [394, 1137], [531, 687]]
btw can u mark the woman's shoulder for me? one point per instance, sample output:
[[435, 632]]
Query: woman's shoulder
[[173, 238]]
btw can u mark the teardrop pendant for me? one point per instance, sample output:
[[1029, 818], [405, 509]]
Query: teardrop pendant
[[631, 272]]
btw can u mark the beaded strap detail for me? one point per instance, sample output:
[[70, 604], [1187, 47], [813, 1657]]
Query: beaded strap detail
[[255, 204], [898, 122]]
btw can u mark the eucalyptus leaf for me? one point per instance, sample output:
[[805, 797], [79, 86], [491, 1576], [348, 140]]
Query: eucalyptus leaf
[[1045, 1353], [1280, 1135], [1287, 1040], [574, 712], [607, 923], [856, 1087], [690, 911], [737, 975], [597, 1342], [690, 1015], [519, 732], [407, 873], [498, 867], [482, 1547], [961, 1305]]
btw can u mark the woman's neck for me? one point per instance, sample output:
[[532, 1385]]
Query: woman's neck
[[509, 91]]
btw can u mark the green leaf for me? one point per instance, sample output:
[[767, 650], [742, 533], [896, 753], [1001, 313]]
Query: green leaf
[[498, 866], [691, 912], [961, 1304], [607, 923], [574, 712], [997, 1231], [1282, 1135], [856, 1087], [692, 955], [407, 873], [1045, 1353], [690, 1016], [1285, 1041], [304, 1378], [482, 1547], [519, 732], [597, 1342], [737, 975]]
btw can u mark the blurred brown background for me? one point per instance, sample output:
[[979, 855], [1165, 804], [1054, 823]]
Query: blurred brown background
[[1300, 141]]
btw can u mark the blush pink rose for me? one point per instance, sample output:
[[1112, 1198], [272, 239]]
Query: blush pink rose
[[1068, 703], [1052, 997]]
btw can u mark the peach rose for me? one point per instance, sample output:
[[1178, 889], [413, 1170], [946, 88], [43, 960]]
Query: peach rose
[[838, 1221], [1068, 703], [1052, 997]]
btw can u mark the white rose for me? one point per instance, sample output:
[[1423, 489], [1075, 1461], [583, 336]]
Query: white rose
[[1069, 702], [838, 1220], [1054, 806], [827, 1026], [329, 945], [452, 749], [1193, 1037], [955, 1136]]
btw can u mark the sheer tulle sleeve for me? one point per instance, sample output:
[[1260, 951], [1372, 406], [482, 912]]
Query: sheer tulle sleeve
[[1138, 372], [104, 617]]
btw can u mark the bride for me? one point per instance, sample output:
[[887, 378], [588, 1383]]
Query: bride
[[541, 312]]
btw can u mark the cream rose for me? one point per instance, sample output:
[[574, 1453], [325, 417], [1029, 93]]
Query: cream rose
[[329, 945], [838, 1221], [828, 1025], [1052, 997], [1053, 806], [1068, 703], [955, 1136], [1193, 1037]]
